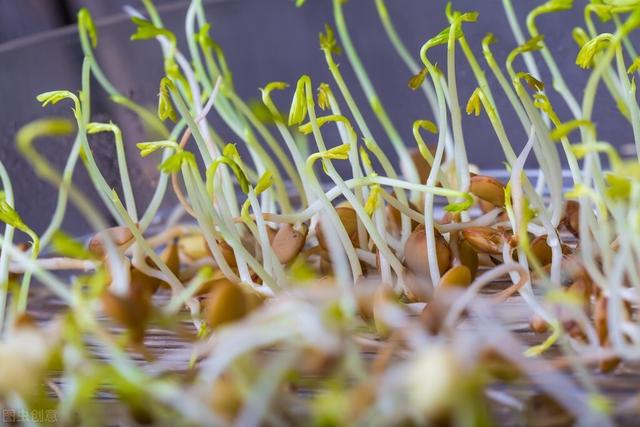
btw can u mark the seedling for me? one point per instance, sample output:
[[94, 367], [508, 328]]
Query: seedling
[[285, 267]]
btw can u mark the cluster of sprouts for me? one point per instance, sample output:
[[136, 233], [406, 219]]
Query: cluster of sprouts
[[302, 295]]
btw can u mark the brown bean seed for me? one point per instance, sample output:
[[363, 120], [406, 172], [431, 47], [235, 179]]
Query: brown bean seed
[[225, 304], [468, 257], [416, 258], [538, 324], [131, 311], [571, 219], [541, 251], [582, 290], [226, 398], [458, 276], [272, 233], [349, 220], [216, 281], [600, 320], [485, 206], [227, 253], [600, 323], [141, 282], [150, 284], [254, 299], [289, 241], [488, 189], [171, 258], [422, 166], [194, 246], [432, 316], [394, 218], [609, 364]]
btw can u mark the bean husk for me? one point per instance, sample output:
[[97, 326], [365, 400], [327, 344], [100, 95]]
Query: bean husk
[[485, 240]]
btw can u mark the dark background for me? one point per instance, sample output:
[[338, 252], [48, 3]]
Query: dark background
[[21, 18], [264, 40]]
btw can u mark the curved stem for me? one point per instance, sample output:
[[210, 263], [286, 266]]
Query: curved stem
[[407, 166]]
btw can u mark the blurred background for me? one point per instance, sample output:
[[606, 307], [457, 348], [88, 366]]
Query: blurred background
[[21, 18], [264, 40]]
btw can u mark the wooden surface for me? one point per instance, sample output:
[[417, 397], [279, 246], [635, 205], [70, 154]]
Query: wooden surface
[[620, 387]]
